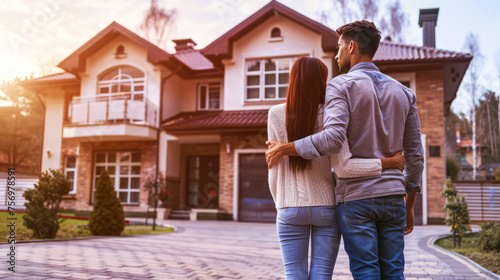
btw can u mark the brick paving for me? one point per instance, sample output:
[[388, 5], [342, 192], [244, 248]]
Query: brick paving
[[206, 250]]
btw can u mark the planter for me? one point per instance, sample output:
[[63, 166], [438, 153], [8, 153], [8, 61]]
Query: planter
[[163, 213]]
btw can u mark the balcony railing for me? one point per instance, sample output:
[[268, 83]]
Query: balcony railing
[[112, 108]]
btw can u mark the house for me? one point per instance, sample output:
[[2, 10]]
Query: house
[[198, 117], [459, 147]]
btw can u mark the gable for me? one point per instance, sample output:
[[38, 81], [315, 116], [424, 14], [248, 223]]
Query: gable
[[223, 46], [295, 40]]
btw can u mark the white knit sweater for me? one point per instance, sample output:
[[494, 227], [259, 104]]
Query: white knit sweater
[[315, 185]]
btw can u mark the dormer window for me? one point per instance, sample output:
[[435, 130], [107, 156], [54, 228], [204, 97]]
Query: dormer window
[[209, 96], [123, 80], [120, 52]]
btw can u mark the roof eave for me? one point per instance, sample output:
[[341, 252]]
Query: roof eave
[[75, 62]]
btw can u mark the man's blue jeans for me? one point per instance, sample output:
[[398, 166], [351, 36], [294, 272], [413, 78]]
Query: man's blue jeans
[[373, 231], [295, 225]]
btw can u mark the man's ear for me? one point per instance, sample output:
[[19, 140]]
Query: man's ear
[[352, 46]]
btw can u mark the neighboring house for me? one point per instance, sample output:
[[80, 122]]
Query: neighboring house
[[104, 111], [461, 151]]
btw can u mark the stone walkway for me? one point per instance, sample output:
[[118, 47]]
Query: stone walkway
[[206, 250]]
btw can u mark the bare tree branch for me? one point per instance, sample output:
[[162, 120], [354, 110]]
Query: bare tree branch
[[157, 23]]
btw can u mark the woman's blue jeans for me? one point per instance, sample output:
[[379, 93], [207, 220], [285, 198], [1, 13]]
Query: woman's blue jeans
[[295, 226]]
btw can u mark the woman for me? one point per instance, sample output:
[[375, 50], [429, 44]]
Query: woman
[[303, 190]]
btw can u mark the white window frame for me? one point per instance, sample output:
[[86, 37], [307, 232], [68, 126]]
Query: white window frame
[[207, 95], [120, 79], [117, 164], [262, 74], [71, 169], [406, 77]]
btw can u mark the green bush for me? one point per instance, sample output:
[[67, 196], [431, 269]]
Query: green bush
[[108, 217], [457, 214], [43, 206], [452, 168], [489, 237]]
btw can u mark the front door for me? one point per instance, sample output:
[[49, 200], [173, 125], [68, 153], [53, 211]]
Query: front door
[[203, 182]]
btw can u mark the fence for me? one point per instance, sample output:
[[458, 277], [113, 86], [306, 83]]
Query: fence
[[23, 182], [483, 199]]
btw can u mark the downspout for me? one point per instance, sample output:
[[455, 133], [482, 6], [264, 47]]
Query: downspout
[[160, 115]]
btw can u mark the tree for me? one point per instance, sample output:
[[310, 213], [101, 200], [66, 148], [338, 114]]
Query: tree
[[21, 119], [452, 168], [48, 67], [487, 127], [157, 23], [108, 217], [457, 215], [391, 23], [43, 206], [472, 46]]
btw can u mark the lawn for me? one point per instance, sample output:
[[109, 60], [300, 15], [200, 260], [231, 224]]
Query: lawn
[[470, 249], [70, 228]]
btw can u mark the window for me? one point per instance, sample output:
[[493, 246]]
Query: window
[[70, 172], [122, 80], [209, 96], [407, 79], [267, 79], [124, 168], [275, 33], [120, 52]]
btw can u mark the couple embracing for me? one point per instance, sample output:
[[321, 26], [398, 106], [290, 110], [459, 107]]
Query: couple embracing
[[360, 128]]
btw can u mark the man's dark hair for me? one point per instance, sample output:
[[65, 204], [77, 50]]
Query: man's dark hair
[[364, 33]]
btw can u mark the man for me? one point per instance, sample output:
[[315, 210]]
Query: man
[[379, 117]]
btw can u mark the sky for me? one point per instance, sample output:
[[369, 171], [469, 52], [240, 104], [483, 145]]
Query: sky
[[41, 32]]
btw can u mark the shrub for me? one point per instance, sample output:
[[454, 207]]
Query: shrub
[[452, 168], [496, 174], [457, 214], [108, 217], [489, 237], [43, 206]]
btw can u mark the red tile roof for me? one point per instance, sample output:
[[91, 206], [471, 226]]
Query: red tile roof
[[392, 52], [465, 143], [59, 78], [215, 121], [55, 77], [194, 60]]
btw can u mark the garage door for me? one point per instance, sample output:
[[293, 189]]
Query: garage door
[[255, 203]]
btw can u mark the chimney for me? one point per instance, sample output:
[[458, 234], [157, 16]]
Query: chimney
[[428, 20], [184, 44]]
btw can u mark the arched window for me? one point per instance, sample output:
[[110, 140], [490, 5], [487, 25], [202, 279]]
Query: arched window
[[276, 33], [122, 80]]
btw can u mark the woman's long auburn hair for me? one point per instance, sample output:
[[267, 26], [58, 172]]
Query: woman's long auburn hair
[[306, 91]]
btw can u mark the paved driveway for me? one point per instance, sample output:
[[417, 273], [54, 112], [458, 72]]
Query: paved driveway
[[204, 250]]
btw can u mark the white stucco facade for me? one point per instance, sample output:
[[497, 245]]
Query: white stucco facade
[[296, 41], [52, 135]]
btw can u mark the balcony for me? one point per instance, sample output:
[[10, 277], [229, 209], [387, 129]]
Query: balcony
[[111, 117]]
